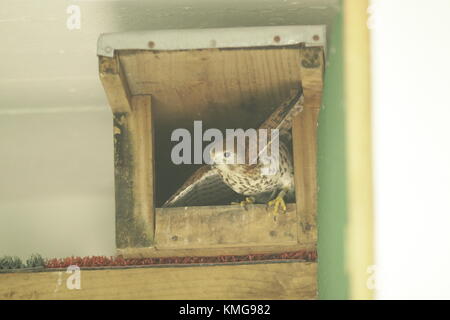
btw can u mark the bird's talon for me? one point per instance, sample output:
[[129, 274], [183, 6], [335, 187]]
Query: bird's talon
[[245, 202], [277, 203]]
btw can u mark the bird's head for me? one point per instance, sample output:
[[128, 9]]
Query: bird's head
[[230, 156], [228, 153], [223, 156]]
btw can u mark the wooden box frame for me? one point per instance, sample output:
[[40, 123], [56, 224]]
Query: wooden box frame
[[145, 231]]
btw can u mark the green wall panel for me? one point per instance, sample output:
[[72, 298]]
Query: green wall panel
[[332, 207]]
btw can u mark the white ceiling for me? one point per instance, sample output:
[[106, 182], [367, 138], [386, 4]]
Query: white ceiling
[[45, 67]]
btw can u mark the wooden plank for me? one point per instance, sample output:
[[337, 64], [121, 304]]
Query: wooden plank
[[144, 169], [295, 280], [304, 132], [134, 175], [154, 252], [224, 226], [115, 84], [305, 171], [311, 70], [221, 230]]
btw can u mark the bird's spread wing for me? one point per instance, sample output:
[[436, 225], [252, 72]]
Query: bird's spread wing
[[204, 187], [281, 118]]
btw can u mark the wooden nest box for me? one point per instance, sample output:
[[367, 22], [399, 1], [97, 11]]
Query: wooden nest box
[[157, 81]]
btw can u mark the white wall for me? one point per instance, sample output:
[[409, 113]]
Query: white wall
[[411, 117]]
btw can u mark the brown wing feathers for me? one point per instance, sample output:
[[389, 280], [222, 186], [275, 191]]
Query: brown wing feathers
[[204, 187]]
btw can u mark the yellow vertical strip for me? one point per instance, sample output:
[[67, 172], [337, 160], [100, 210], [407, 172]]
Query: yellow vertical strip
[[359, 147]]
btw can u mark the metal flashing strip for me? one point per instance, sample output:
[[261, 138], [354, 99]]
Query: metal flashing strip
[[191, 39]]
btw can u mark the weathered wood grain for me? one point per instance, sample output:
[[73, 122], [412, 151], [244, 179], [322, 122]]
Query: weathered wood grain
[[311, 69], [224, 226], [293, 280], [221, 230], [304, 135], [115, 84], [144, 173], [305, 169], [154, 252], [134, 174]]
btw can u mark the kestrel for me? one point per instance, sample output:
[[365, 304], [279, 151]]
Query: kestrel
[[232, 174]]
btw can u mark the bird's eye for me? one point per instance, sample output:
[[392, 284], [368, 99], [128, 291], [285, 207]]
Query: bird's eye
[[226, 154]]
